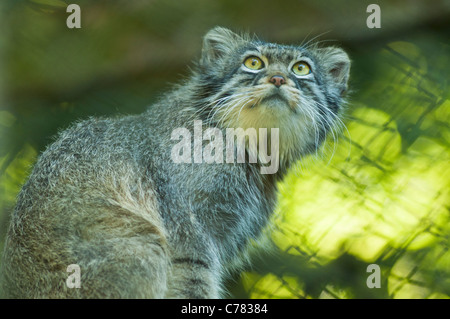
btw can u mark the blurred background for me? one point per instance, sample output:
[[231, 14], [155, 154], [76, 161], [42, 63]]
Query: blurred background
[[379, 194]]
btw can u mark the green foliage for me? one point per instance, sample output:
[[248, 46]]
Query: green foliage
[[380, 197]]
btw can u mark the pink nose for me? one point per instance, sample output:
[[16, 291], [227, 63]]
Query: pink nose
[[277, 80]]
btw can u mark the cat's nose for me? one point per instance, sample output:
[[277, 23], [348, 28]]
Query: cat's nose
[[277, 80]]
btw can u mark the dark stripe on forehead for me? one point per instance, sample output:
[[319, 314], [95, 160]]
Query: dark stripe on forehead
[[278, 55], [250, 47]]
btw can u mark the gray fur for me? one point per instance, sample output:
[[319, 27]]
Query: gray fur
[[108, 197]]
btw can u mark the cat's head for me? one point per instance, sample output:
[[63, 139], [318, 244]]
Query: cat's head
[[247, 83]]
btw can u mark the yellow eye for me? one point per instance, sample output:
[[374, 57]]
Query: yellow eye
[[301, 68], [254, 63]]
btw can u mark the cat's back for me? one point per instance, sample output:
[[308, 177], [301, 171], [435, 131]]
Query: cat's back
[[86, 189], [87, 151]]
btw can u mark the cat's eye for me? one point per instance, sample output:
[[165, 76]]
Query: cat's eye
[[254, 63], [301, 68]]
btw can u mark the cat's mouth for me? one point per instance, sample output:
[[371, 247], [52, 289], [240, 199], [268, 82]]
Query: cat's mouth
[[276, 99]]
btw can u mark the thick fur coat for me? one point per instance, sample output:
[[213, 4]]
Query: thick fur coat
[[107, 195]]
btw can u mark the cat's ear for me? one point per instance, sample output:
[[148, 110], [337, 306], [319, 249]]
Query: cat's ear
[[336, 64], [217, 42]]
